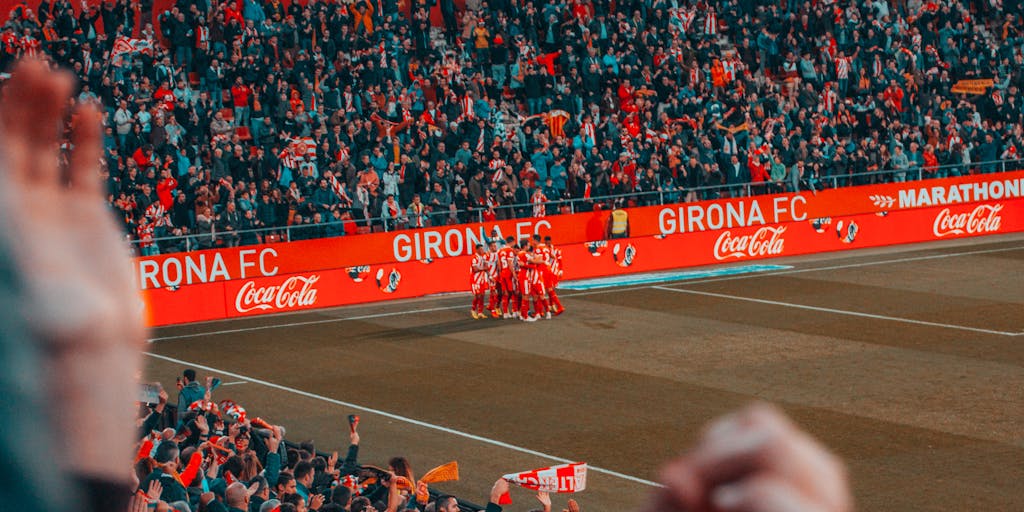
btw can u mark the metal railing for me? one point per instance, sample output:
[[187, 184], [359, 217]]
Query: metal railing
[[213, 239]]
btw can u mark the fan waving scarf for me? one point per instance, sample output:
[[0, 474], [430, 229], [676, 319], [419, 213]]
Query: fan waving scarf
[[561, 479]]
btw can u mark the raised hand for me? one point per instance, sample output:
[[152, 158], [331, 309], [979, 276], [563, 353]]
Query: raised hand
[[82, 300], [545, 500], [754, 460], [155, 490]]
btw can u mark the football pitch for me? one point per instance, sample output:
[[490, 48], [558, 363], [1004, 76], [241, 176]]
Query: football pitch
[[908, 362]]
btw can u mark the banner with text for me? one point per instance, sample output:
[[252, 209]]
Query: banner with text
[[228, 283]]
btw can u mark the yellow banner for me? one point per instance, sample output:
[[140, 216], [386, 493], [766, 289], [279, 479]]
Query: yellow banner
[[978, 86]]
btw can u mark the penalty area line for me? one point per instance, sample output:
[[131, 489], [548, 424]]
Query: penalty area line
[[411, 421]]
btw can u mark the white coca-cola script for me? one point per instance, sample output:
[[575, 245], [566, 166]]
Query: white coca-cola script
[[296, 291], [766, 241], [983, 219]]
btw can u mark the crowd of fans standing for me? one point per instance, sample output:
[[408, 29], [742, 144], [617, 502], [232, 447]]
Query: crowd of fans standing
[[228, 116], [207, 455]]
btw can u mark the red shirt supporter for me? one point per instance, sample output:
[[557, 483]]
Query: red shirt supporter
[[163, 190], [931, 162], [894, 96], [240, 95], [233, 14], [143, 158], [627, 166], [548, 61], [165, 96], [758, 166]]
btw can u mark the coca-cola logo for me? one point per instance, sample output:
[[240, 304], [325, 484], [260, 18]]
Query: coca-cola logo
[[294, 292], [984, 219], [766, 241]]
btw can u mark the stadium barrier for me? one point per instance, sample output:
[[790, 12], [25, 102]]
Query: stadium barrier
[[197, 240], [273, 278]]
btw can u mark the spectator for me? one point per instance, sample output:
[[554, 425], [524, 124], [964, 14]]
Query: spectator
[[780, 78]]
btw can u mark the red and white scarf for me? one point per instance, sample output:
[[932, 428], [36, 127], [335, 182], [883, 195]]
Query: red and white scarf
[[564, 478]]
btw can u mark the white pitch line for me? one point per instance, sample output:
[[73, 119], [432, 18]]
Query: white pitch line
[[404, 419], [837, 311], [299, 324], [855, 265], [234, 383], [582, 294]]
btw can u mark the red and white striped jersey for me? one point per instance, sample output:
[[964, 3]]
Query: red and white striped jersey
[[145, 233], [480, 144], [30, 46], [479, 270], [843, 68], [685, 17], [496, 165], [203, 37], [299, 150], [589, 133], [556, 261], [544, 252], [480, 264], [953, 139], [492, 262], [506, 260], [415, 213], [710, 22], [828, 99], [538, 199], [729, 69]]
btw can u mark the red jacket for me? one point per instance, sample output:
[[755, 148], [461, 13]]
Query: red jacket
[[931, 163], [141, 159], [894, 94], [163, 192]]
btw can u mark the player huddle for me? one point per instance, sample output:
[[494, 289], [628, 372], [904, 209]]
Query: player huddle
[[517, 276]]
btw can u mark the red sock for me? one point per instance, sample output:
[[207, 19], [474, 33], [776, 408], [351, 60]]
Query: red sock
[[542, 306], [554, 300], [524, 306]]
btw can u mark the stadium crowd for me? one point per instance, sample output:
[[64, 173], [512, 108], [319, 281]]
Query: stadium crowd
[[73, 340], [215, 457], [225, 116]]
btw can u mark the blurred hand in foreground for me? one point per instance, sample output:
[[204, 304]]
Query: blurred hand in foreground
[[754, 460], [82, 303]]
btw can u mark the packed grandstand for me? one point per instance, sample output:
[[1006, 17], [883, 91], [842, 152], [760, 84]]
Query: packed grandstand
[[256, 121], [239, 123]]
